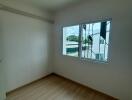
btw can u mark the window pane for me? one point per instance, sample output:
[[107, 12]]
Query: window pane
[[71, 40], [106, 52], [95, 40], [96, 28], [95, 47], [102, 50], [87, 40]]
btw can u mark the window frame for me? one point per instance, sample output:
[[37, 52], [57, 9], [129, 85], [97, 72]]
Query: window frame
[[80, 35]]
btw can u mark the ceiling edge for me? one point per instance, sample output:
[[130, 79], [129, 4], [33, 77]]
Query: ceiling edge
[[16, 11]]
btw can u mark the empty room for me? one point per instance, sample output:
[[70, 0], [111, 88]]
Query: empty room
[[65, 50]]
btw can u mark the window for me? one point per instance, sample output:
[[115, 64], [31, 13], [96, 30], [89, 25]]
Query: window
[[71, 40], [87, 40]]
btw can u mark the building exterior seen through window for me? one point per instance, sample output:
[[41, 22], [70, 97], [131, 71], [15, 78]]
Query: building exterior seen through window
[[87, 40]]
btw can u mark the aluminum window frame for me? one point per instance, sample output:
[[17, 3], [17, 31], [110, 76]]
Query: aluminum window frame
[[80, 46]]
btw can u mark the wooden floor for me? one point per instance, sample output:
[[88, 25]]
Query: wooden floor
[[54, 87]]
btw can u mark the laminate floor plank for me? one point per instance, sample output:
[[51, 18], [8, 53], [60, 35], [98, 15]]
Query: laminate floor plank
[[54, 87]]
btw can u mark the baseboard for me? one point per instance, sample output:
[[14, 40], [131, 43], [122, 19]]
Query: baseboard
[[85, 86]]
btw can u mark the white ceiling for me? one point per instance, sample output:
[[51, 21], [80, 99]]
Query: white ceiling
[[52, 5]]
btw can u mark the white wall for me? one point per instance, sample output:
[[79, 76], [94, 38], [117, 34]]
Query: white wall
[[27, 47], [113, 78], [19, 5], [2, 70]]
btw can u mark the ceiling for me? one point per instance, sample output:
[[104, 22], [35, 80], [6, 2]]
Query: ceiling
[[51, 5]]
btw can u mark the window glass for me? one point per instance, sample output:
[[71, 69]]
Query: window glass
[[87, 40], [71, 40]]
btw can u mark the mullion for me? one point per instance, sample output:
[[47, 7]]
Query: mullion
[[80, 41], [88, 43]]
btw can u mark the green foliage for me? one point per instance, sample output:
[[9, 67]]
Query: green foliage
[[85, 41], [76, 39], [73, 38]]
